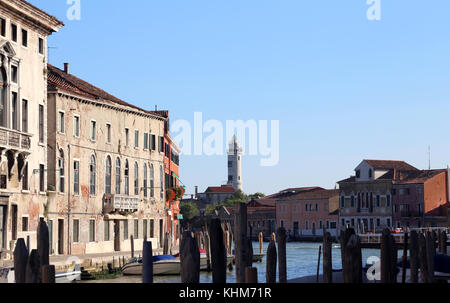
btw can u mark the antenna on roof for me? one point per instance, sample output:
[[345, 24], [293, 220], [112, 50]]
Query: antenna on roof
[[429, 157], [48, 52]]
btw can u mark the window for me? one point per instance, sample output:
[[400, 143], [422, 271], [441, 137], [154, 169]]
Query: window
[[127, 137], [108, 133], [152, 228], [127, 178], [136, 139], [106, 233], [125, 229], [378, 201], [145, 181], [152, 181], [370, 173], [136, 179], [342, 202], [145, 141], [388, 201], [41, 124], [108, 175], [76, 231], [41, 46], [14, 32], [92, 176], [3, 27], [61, 122], [14, 74], [136, 229], [41, 178], [153, 142], [24, 38], [93, 130], [14, 111], [118, 177], [61, 171], [25, 178], [161, 144], [161, 174], [91, 230], [24, 224], [76, 126], [358, 174], [388, 222], [25, 116], [76, 177]]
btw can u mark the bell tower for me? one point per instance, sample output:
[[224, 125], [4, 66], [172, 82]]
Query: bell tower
[[235, 164]]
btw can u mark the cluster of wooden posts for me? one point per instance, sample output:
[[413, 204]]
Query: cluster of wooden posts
[[34, 266], [421, 247]]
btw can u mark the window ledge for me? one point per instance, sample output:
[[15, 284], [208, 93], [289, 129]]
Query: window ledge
[[26, 191], [42, 193]]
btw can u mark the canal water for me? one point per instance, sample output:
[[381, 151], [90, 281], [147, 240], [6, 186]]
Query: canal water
[[301, 261]]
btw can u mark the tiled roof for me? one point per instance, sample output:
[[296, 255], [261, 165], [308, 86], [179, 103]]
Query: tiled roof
[[389, 164], [292, 191], [414, 177], [59, 79], [224, 189], [321, 194]]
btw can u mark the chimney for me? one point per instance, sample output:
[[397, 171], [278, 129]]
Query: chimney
[[66, 68]]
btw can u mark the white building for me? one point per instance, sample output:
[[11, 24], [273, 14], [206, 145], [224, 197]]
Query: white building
[[235, 164]]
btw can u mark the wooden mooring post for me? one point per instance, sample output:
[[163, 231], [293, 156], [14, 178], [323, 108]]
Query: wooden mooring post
[[388, 257], [218, 252], [414, 256], [43, 247], [147, 262], [423, 258], [271, 263], [251, 275], [48, 274], [33, 268], [351, 257], [443, 242], [190, 259], [327, 258], [405, 257], [20, 261], [430, 253], [241, 244], [318, 264], [282, 269], [132, 246], [261, 239]]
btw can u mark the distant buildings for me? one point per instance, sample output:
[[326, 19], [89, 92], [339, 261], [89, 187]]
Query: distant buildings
[[307, 213], [393, 194]]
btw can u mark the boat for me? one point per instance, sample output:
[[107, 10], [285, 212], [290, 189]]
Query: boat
[[7, 275]]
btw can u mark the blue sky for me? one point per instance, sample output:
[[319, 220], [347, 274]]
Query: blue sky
[[343, 88]]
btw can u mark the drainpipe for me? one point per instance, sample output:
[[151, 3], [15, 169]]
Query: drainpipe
[[69, 250]]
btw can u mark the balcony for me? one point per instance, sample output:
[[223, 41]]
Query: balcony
[[411, 214], [14, 140], [113, 203]]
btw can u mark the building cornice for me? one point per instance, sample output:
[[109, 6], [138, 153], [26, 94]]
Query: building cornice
[[82, 99]]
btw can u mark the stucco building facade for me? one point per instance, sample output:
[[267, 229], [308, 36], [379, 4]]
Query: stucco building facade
[[23, 93], [105, 169]]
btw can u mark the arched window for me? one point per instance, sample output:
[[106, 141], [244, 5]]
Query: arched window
[[136, 179], [108, 175], [145, 181], [127, 178], [3, 105], [152, 181], [161, 181], [61, 171], [92, 176], [118, 176]]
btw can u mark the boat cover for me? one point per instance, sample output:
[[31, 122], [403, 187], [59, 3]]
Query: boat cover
[[163, 258]]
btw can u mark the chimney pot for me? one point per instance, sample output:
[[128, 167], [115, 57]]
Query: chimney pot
[[66, 68]]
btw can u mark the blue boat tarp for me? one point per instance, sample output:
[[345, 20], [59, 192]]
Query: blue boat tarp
[[163, 258], [441, 263]]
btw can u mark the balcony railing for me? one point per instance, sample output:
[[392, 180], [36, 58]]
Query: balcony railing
[[12, 139], [120, 203], [411, 214]]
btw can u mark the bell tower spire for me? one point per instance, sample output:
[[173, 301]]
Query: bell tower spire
[[235, 164]]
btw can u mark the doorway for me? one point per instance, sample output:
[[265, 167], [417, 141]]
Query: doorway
[[61, 236], [3, 221], [116, 235]]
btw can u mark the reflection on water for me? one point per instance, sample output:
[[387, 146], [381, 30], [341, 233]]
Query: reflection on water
[[301, 261]]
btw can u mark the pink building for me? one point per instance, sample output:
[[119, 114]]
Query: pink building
[[307, 214]]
